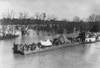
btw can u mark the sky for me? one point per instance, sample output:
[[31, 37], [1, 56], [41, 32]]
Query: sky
[[62, 9]]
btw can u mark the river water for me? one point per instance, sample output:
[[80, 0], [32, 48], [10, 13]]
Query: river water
[[81, 56]]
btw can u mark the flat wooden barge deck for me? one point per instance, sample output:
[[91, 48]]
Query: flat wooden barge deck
[[53, 47]]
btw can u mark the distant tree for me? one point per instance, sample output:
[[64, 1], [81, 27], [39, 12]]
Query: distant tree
[[94, 18], [23, 15], [38, 16], [76, 19], [43, 16], [94, 22], [65, 20], [8, 14], [95, 27], [52, 18], [91, 18]]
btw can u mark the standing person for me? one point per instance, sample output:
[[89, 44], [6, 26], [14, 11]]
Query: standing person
[[15, 47], [21, 47], [82, 36]]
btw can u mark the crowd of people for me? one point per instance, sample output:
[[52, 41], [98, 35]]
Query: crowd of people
[[24, 47], [49, 43], [34, 46]]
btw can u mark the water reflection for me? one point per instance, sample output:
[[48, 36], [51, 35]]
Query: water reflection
[[81, 56], [93, 53]]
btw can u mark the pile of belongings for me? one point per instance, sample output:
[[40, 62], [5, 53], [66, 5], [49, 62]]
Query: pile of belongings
[[60, 40]]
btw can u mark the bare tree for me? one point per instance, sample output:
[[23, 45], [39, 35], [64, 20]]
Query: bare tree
[[97, 18], [23, 15], [8, 14], [43, 16], [38, 16], [94, 18], [66, 20], [52, 17], [76, 19], [94, 22], [91, 18]]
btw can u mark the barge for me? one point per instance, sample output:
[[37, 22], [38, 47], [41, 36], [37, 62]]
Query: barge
[[39, 50], [59, 42], [36, 49]]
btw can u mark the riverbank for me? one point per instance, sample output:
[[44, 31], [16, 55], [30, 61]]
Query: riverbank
[[8, 36]]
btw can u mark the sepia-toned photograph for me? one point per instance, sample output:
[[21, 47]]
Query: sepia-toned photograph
[[49, 33]]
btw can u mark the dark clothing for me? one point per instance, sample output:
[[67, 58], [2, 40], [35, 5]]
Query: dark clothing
[[82, 36]]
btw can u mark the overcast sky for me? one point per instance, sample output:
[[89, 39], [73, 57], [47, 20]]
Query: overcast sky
[[59, 8]]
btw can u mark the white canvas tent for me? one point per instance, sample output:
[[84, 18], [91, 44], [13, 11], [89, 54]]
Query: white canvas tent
[[46, 43]]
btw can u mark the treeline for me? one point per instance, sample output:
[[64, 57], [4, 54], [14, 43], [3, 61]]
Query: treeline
[[45, 25], [92, 23]]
